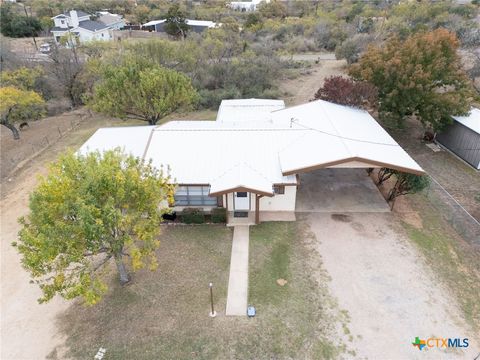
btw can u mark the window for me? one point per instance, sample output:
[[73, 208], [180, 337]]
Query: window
[[279, 189], [241, 194], [62, 21], [194, 196]]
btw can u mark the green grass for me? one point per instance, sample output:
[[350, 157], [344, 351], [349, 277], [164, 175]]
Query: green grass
[[164, 314], [455, 262]]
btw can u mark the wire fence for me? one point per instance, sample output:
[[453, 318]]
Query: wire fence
[[37, 145], [464, 223]]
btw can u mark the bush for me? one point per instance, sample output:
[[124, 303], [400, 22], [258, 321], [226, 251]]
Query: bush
[[211, 99], [219, 215], [193, 216], [15, 25], [350, 49]]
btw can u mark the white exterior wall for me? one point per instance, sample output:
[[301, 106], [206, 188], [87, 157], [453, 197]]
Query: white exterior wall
[[67, 21], [86, 35], [278, 202]]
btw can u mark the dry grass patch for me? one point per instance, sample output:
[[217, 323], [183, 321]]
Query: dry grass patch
[[164, 314]]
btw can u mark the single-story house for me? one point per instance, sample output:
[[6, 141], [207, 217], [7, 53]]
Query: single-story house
[[197, 26], [246, 5], [249, 163], [463, 137], [78, 24]]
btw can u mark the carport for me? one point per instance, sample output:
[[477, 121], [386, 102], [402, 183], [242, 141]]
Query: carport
[[338, 190], [331, 159]]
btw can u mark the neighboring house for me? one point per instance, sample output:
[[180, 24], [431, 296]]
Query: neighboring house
[[246, 5], [194, 25], [463, 137], [113, 21], [79, 25], [249, 164]]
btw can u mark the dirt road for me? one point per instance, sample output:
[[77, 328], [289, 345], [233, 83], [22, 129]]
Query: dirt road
[[389, 292], [28, 329], [303, 88]]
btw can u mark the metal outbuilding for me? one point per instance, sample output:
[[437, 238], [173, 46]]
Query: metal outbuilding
[[463, 137]]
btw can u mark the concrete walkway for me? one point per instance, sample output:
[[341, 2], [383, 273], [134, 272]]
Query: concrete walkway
[[238, 280]]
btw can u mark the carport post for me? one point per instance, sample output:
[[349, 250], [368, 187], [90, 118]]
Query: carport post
[[257, 208]]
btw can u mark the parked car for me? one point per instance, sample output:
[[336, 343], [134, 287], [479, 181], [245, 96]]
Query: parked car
[[45, 48]]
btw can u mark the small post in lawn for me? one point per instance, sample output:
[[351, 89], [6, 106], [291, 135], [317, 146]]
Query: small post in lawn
[[213, 313]]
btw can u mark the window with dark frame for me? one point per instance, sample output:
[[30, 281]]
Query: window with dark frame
[[242, 194], [279, 189], [194, 196]]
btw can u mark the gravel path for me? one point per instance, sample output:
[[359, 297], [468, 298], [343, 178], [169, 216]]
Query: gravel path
[[389, 292]]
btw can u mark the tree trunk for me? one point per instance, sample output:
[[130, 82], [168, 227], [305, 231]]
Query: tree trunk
[[122, 271], [14, 130]]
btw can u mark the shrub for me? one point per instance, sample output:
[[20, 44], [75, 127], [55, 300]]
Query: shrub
[[350, 49], [193, 216], [346, 91], [219, 215], [15, 25]]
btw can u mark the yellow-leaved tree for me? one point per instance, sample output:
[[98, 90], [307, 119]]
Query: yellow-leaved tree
[[19, 105], [90, 209]]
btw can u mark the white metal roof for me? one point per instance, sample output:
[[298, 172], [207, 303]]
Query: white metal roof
[[225, 158], [255, 155], [206, 23], [154, 22], [132, 139], [248, 110], [338, 134], [472, 121]]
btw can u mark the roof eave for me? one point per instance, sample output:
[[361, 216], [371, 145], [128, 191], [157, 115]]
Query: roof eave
[[355, 158], [241, 188]]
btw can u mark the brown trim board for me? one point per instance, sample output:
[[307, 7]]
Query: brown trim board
[[355, 158]]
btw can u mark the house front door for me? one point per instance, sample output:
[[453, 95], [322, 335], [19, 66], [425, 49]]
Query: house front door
[[241, 201]]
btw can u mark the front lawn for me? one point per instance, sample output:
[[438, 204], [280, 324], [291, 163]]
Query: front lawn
[[164, 314]]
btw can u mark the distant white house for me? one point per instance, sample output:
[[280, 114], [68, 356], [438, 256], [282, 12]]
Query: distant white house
[[194, 25], [113, 21], [79, 25], [246, 5], [248, 159]]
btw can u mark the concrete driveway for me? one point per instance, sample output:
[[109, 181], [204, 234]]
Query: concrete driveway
[[339, 191]]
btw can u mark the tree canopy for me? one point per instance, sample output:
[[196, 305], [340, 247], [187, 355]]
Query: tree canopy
[[141, 90], [16, 25], [421, 77], [175, 22], [86, 211], [17, 105]]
